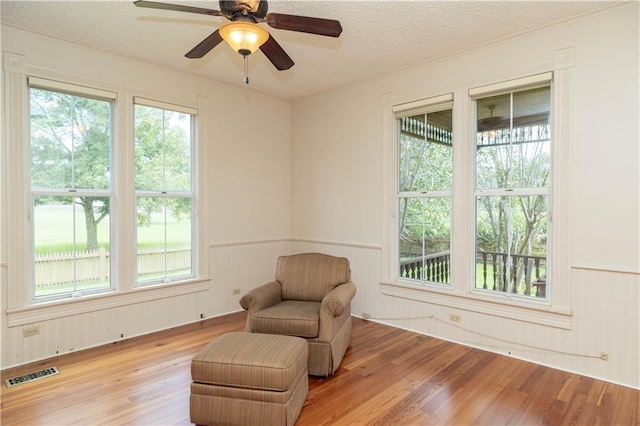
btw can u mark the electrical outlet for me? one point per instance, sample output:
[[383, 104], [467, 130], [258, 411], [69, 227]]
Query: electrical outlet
[[365, 315], [604, 356], [455, 318], [236, 291], [31, 330]]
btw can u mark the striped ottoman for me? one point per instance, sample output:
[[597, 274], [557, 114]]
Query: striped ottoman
[[249, 379]]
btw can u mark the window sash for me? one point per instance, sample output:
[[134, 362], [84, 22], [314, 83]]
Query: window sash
[[515, 270], [166, 270], [75, 272], [432, 265]]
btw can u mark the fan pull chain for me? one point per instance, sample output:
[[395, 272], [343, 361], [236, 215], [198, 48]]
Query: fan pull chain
[[246, 69]]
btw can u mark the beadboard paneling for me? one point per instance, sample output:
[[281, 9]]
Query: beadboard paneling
[[232, 266], [240, 266], [605, 319]]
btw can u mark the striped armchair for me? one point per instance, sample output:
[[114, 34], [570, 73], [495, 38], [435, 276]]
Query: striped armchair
[[310, 298]]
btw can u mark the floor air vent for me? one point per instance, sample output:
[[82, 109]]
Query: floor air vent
[[30, 377]]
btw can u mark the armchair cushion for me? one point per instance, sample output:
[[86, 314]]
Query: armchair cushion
[[289, 318], [310, 276]]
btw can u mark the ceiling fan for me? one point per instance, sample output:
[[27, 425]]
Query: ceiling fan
[[243, 33]]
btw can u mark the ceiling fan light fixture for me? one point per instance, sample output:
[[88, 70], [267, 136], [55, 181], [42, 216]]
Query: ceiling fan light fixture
[[244, 37]]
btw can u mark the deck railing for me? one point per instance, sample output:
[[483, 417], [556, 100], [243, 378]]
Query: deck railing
[[519, 274], [434, 267], [516, 273]]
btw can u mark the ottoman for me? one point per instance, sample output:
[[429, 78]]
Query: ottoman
[[249, 379]]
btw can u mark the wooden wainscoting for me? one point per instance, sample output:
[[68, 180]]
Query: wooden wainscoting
[[389, 376]]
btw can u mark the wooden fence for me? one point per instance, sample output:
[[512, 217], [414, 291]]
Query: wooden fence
[[93, 266]]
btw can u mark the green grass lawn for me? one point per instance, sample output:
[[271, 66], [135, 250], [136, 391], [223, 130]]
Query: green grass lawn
[[54, 231]]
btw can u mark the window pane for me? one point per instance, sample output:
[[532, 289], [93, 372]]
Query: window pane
[[513, 156], [70, 137], [530, 137], [513, 140], [426, 152], [70, 150], [163, 238], [71, 236], [425, 239], [511, 244], [163, 150], [163, 166]]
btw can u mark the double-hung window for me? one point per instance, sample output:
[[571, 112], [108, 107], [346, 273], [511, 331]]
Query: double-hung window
[[164, 146], [424, 190], [101, 205], [70, 171], [512, 188], [472, 216]]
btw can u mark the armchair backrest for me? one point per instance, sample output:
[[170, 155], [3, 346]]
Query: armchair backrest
[[310, 276]]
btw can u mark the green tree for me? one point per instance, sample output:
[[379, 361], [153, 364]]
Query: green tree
[[70, 139], [162, 161], [71, 151], [513, 224], [425, 164]]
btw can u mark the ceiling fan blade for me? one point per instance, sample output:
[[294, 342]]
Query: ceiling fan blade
[[177, 7], [304, 24], [276, 54], [205, 46]]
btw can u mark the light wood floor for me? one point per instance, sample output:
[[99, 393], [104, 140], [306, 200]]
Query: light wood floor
[[388, 377]]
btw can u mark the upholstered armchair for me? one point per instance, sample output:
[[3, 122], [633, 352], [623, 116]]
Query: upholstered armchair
[[310, 298]]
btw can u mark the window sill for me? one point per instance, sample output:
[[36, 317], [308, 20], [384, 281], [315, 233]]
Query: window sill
[[530, 312], [91, 303]]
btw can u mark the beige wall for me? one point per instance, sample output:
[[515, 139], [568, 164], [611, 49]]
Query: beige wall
[[338, 205], [244, 198], [309, 175]]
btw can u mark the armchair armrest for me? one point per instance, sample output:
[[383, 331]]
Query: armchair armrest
[[262, 297], [335, 302]]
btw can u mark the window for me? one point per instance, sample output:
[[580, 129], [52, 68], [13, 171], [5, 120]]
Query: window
[[70, 153], [79, 189], [492, 198], [512, 181], [424, 191], [164, 192]]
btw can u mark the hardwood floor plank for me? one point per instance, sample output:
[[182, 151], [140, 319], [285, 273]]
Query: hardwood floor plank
[[388, 376]]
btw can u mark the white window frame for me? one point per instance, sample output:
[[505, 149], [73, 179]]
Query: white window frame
[[423, 106], [193, 112], [525, 83], [556, 311], [21, 309], [90, 93]]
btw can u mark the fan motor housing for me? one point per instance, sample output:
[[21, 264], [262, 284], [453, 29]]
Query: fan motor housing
[[231, 9]]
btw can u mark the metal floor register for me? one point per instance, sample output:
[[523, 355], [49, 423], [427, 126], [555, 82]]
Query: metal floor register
[[30, 377]]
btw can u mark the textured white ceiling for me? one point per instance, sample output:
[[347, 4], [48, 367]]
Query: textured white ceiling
[[378, 37]]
